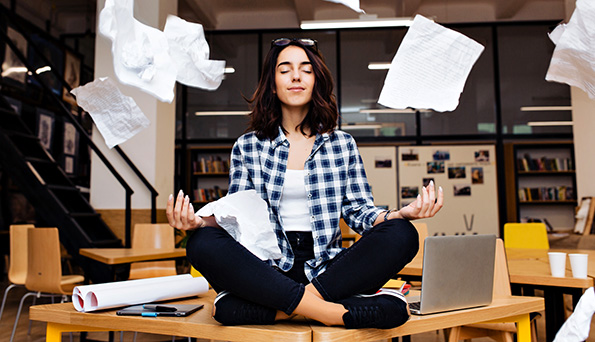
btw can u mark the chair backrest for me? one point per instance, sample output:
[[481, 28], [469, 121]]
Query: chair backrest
[[155, 236], [422, 231], [17, 271], [501, 276], [526, 235], [44, 273]]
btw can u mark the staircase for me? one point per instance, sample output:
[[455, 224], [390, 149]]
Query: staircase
[[57, 201]]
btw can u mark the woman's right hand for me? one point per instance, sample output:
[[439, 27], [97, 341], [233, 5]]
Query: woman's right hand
[[181, 215]]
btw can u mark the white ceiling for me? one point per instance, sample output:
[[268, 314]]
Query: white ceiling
[[242, 14], [77, 16]]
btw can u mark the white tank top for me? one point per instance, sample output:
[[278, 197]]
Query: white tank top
[[293, 206]]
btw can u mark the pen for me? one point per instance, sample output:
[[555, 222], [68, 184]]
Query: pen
[[159, 308]]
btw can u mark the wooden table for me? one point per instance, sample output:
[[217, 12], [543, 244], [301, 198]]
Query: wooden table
[[531, 267], [115, 256], [64, 318]]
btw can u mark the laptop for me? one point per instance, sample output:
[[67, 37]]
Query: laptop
[[458, 273]]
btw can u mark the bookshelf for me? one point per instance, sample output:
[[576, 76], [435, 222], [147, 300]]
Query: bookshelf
[[208, 173], [541, 183]]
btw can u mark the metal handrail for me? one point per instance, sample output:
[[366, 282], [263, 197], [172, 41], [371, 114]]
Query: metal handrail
[[77, 125]]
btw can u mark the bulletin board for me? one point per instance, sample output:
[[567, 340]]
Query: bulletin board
[[468, 176]]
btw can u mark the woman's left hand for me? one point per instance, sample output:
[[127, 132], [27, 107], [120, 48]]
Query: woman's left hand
[[426, 205]]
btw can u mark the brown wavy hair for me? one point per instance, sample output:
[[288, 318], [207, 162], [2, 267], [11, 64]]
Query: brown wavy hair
[[265, 118]]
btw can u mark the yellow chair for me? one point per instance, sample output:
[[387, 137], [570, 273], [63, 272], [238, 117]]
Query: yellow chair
[[526, 235], [153, 236], [44, 270], [502, 331], [17, 269]]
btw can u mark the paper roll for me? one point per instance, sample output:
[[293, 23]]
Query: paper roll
[[88, 298]]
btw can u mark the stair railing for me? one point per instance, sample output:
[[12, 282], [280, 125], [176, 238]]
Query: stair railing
[[81, 130]]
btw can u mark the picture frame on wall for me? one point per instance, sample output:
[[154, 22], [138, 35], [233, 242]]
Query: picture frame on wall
[[69, 164], [72, 75], [71, 138], [13, 69], [45, 127]]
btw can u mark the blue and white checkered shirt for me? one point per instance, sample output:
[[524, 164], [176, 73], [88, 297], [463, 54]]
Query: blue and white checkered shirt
[[335, 183]]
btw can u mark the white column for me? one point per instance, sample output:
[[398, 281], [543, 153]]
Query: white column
[[152, 150]]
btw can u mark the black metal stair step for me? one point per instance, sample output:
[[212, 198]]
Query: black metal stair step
[[29, 146], [11, 122], [79, 215], [25, 135], [39, 160], [63, 187]]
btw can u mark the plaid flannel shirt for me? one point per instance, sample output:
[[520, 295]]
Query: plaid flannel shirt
[[335, 182]]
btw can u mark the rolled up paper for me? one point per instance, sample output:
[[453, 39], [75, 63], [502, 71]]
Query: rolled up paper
[[88, 298]]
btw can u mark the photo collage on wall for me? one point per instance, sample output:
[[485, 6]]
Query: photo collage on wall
[[467, 176]]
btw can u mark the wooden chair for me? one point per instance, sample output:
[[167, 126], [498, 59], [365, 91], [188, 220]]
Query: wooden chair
[[44, 270], [526, 235], [153, 236], [503, 331], [17, 270]]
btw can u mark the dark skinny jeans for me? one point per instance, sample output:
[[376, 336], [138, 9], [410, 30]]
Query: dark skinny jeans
[[360, 269]]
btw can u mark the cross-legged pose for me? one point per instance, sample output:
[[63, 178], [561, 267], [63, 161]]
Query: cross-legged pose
[[310, 175]]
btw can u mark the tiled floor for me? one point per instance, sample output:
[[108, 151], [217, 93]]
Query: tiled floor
[[38, 328]]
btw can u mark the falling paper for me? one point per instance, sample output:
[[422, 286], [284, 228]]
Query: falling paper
[[117, 116], [190, 50], [353, 4], [88, 298], [245, 216], [573, 61], [430, 68], [140, 52]]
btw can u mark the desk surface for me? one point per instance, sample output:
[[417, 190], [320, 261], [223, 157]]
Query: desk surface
[[202, 325], [529, 266], [114, 256]]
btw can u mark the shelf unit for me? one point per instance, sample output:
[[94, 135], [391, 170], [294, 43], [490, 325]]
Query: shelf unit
[[541, 183], [207, 174]]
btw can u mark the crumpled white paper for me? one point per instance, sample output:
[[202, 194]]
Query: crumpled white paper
[[140, 52], [573, 61], [353, 4], [189, 48], [117, 116], [577, 326], [430, 68], [245, 216], [88, 298]]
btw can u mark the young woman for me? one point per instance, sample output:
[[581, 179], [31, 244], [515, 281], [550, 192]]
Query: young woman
[[310, 175]]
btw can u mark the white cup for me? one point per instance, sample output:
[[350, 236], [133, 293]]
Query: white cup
[[557, 263], [579, 263]]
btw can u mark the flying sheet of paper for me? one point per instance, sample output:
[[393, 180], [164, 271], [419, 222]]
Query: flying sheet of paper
[[189, 48], [140, 52], [573, 61], [117, 116], [245, 216], [88, 298], [430, 68], [353, 4]]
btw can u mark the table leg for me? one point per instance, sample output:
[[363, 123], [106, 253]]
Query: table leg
[[554, 311]]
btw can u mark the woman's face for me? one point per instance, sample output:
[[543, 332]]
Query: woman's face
[[294, 77]]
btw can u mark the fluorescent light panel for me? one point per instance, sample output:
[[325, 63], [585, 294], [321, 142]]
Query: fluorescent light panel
[[545, 108], [355, 23], [379, 66], [549, 123], [387, 111], [229, 70], [222, 113]]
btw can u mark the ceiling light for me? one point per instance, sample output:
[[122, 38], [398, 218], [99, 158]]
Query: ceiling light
[[379, 66], [355, 23], [549, 123], [545, 109], [355, 127], [388, 111], [222, 113], [229, 70]]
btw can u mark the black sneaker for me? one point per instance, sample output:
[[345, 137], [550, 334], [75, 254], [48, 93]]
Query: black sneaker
[[385, 309], [232, 310]]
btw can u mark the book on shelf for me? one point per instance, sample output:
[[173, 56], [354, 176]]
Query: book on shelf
[[544, 164], [553, 193], [209, 194], [211, 164]]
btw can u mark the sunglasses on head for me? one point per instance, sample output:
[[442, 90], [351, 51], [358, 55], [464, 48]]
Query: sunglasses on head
[[307, 42]]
